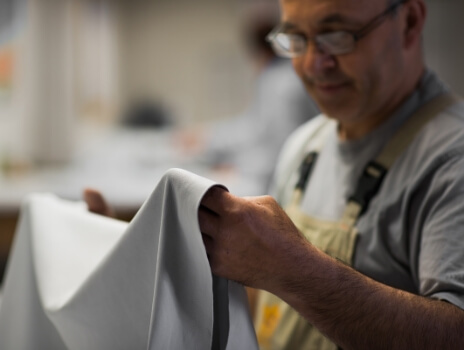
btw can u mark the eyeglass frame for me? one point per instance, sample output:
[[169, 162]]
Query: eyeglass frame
[[357, 35]]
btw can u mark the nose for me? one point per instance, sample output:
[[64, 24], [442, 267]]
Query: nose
[[315, 60]]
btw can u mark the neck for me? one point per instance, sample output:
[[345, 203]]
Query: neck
[[356, 131], [359, 128]]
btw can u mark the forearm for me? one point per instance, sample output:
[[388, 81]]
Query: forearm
[[359, 313], [253, 241]]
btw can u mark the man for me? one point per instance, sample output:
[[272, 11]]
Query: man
[[391, 206]]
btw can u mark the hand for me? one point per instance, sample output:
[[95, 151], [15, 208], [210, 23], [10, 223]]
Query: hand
[[97, 203], [252, 241], [249, 240]]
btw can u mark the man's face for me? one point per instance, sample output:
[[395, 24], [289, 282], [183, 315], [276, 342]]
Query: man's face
[[357, 86]]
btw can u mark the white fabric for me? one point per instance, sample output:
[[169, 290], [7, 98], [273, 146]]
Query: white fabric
[[77, 280]]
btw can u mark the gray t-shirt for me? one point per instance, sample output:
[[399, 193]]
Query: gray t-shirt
[[412, 235]]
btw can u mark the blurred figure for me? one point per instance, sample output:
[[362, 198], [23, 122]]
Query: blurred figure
[[250, 142]]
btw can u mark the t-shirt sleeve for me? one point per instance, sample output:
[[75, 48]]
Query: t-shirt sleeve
[[441, 255]]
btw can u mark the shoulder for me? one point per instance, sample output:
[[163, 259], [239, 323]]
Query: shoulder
[[437, 193], [440, 140], [432, 164]]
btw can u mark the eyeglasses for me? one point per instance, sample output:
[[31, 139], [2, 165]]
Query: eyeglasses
[[332, 43]]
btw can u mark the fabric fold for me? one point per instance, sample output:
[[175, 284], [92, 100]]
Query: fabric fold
[[77, 280]]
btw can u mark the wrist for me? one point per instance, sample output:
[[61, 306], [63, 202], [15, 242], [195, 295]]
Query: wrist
[[303, 274]]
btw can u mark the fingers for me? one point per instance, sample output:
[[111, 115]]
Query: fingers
[[96, 203], [216, 199], [208, 242], [210, 252], [208, 221]]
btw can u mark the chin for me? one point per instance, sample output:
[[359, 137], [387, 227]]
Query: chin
[[343, 112], [340, 102]]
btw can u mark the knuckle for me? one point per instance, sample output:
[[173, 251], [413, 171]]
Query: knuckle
[[270, 201], [236, 212], [268, 198]]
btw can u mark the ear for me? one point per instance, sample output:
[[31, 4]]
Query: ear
[[415, 14]]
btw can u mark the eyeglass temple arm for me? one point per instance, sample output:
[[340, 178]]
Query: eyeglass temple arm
[[377, 20]]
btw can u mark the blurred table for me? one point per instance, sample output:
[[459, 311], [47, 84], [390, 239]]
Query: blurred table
[[124, 164]]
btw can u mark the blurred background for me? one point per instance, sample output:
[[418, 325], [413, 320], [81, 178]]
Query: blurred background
[[111, 93]]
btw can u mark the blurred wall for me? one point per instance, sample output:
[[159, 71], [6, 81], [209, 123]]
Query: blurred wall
[[191, 56], [76, 58], [97, 57], [444, 48], [188, 54], [38, 114]]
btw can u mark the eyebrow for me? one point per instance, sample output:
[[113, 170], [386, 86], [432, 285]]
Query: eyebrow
[[288, 26], [330, 19], [337, 18]]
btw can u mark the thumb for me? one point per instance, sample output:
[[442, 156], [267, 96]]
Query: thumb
[[97, 203]]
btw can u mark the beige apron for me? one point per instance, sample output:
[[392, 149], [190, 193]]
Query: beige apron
[[278, 326]]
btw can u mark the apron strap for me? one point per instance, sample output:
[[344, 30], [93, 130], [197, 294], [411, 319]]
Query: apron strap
[[305, 170], [375, 171], [306, 161]]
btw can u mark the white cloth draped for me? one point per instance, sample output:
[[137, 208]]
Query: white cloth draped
[[76, 280]]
